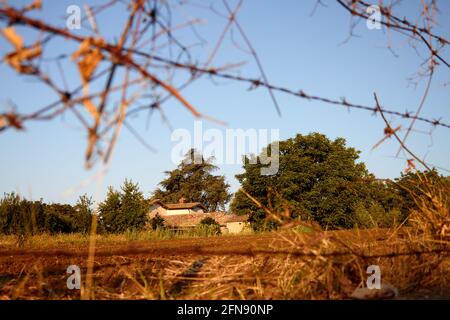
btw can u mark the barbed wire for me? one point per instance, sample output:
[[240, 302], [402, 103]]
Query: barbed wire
[[402, 25], [139, 53]]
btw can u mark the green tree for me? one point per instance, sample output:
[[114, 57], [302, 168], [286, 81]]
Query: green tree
[[58, 218], [194, 182], [124, 210], [83, 214], [318, 179], [133, 206], [109, 210]]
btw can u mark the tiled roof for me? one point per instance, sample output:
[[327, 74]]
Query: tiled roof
[[187, 205]]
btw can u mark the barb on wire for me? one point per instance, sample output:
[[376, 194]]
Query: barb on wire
[[393, 132]]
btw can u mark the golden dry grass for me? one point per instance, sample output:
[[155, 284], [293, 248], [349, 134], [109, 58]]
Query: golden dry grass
[[285, 265]]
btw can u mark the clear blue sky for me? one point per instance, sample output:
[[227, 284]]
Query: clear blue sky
[[298, 51]]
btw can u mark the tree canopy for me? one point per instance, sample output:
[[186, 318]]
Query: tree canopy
[[318, 179], [194, 181]]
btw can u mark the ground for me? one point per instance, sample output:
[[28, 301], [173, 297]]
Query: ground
[[283, 265]]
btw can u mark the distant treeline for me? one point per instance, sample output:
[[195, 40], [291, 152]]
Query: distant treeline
[[318, 180], [124, 210], [121, 211], [22, 216]]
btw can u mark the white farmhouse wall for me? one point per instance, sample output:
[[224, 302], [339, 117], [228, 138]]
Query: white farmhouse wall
[[174, 212], [237, 227]]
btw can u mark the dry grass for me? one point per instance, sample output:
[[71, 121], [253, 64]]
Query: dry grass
[[62, 240], [287, 265]]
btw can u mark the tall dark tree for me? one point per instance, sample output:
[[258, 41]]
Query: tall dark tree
[[318, 179], [194, 181]]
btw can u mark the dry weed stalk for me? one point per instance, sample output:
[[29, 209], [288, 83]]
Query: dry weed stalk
[[432, 216]]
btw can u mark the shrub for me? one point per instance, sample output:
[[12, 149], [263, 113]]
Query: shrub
[[55, 222], [208, 226], [375, 216], [157, 222]]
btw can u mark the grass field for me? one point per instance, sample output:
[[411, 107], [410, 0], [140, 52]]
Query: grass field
[[280, 265]]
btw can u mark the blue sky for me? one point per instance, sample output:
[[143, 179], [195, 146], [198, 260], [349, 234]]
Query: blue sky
[[297, 50]]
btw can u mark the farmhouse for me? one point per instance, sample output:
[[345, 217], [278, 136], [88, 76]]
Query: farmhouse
[[185, 215]]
